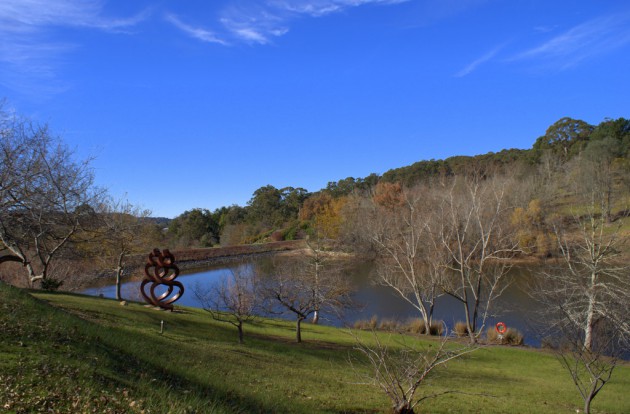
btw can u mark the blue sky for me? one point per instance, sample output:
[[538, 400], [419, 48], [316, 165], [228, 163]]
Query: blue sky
[[198, 103]]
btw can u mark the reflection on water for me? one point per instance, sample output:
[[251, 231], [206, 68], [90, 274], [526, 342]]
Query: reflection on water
[[512, 308]]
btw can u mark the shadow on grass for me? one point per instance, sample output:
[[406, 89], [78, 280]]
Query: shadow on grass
[[45, 333]]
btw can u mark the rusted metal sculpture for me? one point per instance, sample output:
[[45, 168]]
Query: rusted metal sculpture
[[161, 270]]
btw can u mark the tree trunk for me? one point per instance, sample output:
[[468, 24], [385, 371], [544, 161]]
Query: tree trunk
[[32, 277], [298, 329], [424, 314], [240, 332], [476, 308], [469, 326], [427, 324], [118, 287], [590, 315], [403, 408], [119, 271], [587, 404], [432, 306]]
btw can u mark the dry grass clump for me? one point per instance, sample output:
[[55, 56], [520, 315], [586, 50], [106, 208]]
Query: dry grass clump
[[390, 325], [461, 329], [417, 326], [510, 337], [367, 324], [414, 326]]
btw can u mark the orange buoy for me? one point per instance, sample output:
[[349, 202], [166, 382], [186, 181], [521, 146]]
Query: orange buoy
[[501, 328]]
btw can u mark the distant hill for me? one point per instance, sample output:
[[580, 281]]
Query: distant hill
[[159, 221]]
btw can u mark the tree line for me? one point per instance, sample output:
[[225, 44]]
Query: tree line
[[288, 213]]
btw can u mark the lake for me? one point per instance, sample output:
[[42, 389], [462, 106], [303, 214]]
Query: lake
[[512, 307]]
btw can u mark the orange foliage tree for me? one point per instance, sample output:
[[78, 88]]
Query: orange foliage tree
[[532, 234], [325, 212]]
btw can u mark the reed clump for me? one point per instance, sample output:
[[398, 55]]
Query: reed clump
[[413, 326], [510, 337]]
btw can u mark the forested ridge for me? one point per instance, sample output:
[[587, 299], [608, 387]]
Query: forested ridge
[[557, 158]]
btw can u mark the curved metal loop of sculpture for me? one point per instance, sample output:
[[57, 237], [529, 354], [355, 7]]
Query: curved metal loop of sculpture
[[161, 270]]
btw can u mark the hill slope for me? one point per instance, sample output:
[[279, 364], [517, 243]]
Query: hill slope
[[68, 353]]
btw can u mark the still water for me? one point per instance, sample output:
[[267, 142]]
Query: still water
[[513, 307]]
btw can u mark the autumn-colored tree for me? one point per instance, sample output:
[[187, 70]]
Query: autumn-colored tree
[[532, 234], [325, 213], [389, 195]]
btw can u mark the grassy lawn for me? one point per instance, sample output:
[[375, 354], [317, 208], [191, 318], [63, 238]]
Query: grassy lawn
[[70, 353]]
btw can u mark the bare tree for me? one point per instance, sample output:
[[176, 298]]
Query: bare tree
[[592, 285], [301, 287], [591, 368], [124, 233], [234, 300], [400, 369], [45, 195], [469, 226], [585, 300], [408, 261], [330, 289]]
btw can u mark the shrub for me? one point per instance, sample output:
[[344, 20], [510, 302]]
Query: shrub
[[276, 236], [461, 329], [417, 326], [50, 284], [294, 231], [389, 325], [373, 322], [291, 233], [436, 328], [545, 244], [510, 337], [366, 324]]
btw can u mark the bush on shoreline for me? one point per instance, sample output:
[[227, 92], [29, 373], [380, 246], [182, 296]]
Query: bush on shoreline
[[414, 326], [510, 337]]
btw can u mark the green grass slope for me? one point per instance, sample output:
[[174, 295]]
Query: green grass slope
[[69, 353]]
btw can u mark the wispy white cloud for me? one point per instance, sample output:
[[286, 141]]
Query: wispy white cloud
[[27, 16], [196, 32], [31, 16], [580, 43], [478, 62], [254, 22], [316, 8], [259, 22], [30, 54]]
